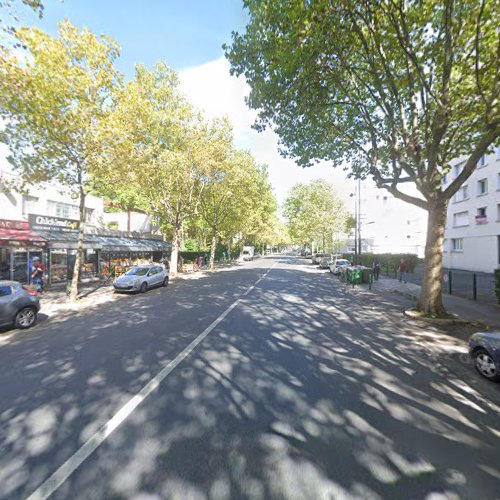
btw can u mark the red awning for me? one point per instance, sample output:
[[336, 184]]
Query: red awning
[[18, 237]]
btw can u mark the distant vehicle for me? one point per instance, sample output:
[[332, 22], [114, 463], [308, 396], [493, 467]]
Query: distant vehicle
[[141, 278], [484, 349], [324, 263], [18, 308], [248, 253], [337, 265], [317, 257]]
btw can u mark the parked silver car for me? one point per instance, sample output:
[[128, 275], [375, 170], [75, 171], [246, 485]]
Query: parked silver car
[[337, 265], [140, 278], [17, 307]]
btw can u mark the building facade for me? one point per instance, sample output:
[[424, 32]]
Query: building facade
[[42, 225], [472, 236], [391, 225]]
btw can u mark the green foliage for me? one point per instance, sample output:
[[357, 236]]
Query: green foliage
[[314, 212], [497, 283], [395, 90], [389, 262], [53, 98], [190, 246]]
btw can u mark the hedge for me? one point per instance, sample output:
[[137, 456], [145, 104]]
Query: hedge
[[496, 274], [388, 261]]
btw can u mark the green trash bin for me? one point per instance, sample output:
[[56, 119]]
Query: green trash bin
[[366, 273], [353, 275]]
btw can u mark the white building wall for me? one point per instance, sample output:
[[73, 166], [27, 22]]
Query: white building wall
[[392, 225], [56, 201], [139, 222], [470, 243]]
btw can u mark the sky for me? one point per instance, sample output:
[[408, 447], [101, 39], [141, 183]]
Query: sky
[[189, 35]]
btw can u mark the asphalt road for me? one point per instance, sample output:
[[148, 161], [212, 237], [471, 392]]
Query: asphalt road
[[302, 389]]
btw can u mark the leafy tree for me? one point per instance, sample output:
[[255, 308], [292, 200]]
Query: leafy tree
[[314, 213], [397, 88], [229, 196], [260, 210], [157, 150], [52, 100]]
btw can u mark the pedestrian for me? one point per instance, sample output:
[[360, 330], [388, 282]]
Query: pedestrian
[[376, 268], [37, 275], [403, 269]]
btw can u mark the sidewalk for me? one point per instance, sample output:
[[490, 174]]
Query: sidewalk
[[466, 309]]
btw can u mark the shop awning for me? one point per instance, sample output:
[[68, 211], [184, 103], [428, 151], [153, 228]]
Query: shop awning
[[119, 244], [21, 237], [69, 240]]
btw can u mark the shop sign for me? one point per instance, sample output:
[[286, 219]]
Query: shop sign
[[14, 224], [40, 222]]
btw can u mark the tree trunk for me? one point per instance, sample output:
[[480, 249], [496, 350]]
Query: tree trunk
[[73, 294], [212, 251], [229, 245], [174, 258], [430, 300]]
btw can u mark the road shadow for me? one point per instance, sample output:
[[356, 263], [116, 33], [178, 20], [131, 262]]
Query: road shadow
[[307, 390]]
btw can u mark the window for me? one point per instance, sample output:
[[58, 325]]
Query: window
[[461, 219], [457, 244], [462, 194], [5, 290], [498, 181], [63, 210], [482, 186], [482, 161], [445, 245], [481, 216], [89, 212], [29, 205], [498, 212], [444, 179], [457, 169]]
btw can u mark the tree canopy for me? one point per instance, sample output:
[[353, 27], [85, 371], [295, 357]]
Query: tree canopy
[[394, 89], [53, 97], [314, 213]]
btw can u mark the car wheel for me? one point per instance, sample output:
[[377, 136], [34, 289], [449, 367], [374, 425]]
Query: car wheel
[[144, 288], [485, 365], [165, 281], [25, 318]]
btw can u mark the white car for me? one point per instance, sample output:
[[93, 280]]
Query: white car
[[337, 265], [141, 278]]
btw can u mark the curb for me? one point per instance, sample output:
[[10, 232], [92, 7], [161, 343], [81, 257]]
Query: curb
[[411, 313]]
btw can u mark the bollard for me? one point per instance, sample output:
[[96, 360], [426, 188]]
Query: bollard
[[474, 286], [450, 287]]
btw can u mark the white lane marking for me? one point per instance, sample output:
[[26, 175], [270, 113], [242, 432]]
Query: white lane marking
[[52, 483]]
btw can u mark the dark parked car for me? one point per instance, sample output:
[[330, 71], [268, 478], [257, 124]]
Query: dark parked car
[[484, 348], [17, 307]]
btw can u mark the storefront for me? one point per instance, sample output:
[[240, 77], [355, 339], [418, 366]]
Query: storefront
[[20, 247], [104, 254]]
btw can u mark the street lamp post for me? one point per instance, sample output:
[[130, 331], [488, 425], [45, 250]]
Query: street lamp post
[[357, 222]]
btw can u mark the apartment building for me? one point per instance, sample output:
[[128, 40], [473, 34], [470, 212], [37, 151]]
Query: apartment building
[[391, 225], [472, 236]]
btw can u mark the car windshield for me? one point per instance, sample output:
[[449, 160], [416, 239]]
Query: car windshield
[[342, 263], [138, 271]]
